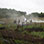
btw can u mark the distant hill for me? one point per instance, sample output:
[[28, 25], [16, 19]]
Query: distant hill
[[12, 13], [7, 13], [38, 14]]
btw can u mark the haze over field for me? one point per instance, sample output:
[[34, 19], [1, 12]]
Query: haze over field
[[21, 21], [31, 9]]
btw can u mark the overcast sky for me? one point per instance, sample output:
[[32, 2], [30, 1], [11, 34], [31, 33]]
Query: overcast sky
[[24, 5]]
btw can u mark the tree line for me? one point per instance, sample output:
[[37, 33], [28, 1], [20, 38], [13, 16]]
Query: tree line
[[6, 13], [38, 14]]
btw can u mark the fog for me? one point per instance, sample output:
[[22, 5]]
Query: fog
[[23, 5]]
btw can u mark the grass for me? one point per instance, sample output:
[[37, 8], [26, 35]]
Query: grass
[[14, 26], [22, 42], [1, 25], [40, 34]]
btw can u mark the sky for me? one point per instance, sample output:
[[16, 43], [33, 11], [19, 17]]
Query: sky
[[23, 5]]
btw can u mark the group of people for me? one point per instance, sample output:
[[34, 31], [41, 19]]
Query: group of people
[[19, 22]]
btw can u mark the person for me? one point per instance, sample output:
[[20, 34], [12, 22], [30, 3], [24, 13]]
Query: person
[[18, 22], [14, 21]]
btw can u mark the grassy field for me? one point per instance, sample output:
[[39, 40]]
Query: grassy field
[[27, 34]]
